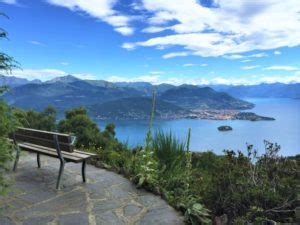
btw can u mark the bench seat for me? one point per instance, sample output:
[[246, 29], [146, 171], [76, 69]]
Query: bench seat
[[76, 156], [53, 144]]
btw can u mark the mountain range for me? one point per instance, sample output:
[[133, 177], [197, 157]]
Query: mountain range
[[133, 100]]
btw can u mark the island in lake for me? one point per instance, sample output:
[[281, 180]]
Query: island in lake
[[224, 128]]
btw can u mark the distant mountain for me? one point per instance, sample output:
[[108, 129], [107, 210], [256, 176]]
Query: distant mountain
[[276, 90], [63, 79], [64, 94], [12, 81], [132, 100], [145, 87], [193, 97], [136, 108]]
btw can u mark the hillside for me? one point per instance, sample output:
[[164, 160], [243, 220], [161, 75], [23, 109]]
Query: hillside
[[193, 97], [276, 90], [64, 95], [135, 108], [12, 81]]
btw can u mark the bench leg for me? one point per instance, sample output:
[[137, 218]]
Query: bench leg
[[38, 160], [61, 170], [17, 159], [83, 170]]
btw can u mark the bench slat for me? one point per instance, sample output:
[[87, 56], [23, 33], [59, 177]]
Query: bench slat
[[43, 142], [53, 153], [44, 134], [79, 154], [44, 138]]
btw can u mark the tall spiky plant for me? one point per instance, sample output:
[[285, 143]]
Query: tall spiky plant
[[146, 164], [149, 133], [188, 160]]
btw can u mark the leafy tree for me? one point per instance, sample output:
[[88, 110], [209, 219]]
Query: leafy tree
[[77, 122], [7, 63]]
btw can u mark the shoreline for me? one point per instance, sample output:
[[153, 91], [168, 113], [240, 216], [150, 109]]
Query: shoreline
[[197, 114]]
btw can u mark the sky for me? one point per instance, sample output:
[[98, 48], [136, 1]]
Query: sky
[[158, 41]]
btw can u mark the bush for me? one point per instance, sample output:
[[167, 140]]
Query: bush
[[250, 187], [6, 126], [45, 120]]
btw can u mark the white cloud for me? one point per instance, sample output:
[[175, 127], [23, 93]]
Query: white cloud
[[175, 54], [65, 63], [286, 68], [100, 9], [258, 55], [246, 60], [36, 43], [250, 67], [46, 74], [128, 46], [252, 80], [189, 65], [156, 72], [125, 30], [277, 52], [236, 56], [228, 28], [147, 78], [9, 1]]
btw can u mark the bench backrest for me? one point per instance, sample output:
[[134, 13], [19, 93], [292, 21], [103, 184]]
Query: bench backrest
[[44, 138]]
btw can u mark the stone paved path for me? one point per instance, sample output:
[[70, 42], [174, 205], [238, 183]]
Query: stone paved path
[[107, 198]]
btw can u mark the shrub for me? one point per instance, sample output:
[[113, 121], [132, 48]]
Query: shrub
[[250, 187]]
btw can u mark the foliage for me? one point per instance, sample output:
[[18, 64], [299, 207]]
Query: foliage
[[45, 120], [78, 123], [6, 126], [249, 187], [145, 163], [7, 63], [175, 176]]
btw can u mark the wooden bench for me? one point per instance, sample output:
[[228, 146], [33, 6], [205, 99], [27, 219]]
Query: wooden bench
[[52, 144]]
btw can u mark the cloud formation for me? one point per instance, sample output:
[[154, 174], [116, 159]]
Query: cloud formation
[[9, 1], [100, 9], [227, 27], [218, 80], [285, 68]]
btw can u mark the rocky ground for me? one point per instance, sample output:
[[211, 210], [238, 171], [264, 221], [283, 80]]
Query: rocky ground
[[107, 198]]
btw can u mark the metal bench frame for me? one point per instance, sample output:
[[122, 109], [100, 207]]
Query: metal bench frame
[[62, 160]]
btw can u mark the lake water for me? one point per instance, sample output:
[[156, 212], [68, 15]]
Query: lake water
[[285, 130]]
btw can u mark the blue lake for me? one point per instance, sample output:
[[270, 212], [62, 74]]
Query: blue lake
[[285, 130]]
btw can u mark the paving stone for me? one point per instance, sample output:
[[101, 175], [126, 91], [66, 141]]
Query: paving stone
[[108, 218], [6, 221], [107, 198], [38, 196], [102, 206], [70, 202], [116, 192], [12, 206], [74, 219], [39, 220], [131, 210], [160, 216], [150, 201]]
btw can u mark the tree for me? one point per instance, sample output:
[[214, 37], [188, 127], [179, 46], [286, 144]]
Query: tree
[[77, 122], [7, 63], [45, 120]]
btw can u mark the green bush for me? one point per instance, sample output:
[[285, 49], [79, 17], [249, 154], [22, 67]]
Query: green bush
[[7, 122], [249, 187], [45, 120]]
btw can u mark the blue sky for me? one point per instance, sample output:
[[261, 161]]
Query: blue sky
[[173, 41]]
